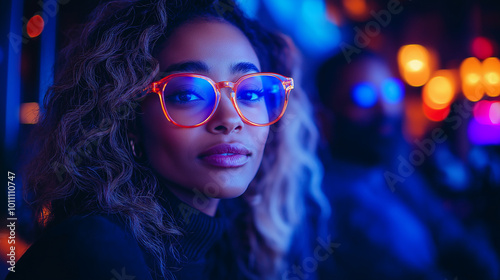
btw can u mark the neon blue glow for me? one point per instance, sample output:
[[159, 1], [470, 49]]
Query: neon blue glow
[[453, 172], [306, 22], [250, 7], [483, 134], [283, 11], [13, 99], [47, 54], [392, 90], [314, 31], [478, 157], [364, 94]]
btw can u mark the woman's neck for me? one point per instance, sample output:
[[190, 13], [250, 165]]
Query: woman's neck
[[197, 200], [193, 198]]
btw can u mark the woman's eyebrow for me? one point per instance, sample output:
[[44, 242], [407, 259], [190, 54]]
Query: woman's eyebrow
[[244, 67], [188, 66]]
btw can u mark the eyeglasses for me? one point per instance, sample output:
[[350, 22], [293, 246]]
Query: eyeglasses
[[190, 100]]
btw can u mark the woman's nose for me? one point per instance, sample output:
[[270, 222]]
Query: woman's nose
[[225, 119]]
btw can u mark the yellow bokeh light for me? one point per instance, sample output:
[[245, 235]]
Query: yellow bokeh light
[[471, 72], [414, 64], [491, 71], [473, 78], [492, 78], [438, 92]]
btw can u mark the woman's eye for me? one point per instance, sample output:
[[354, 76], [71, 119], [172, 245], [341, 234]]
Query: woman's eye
[[183, 97], [251, 95]]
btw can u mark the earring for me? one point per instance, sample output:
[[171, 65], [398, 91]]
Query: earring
[[137, 154]]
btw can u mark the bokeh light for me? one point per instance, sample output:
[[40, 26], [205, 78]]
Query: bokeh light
[[491, 76], [28, 113], [494, 113], [392, 90], [483, 134], [481, 47], [473, 78], [482, 112], [471, 73], [35, 25], [487, 112], [439, 92], [414, 64], [436, 115], [356, 9], [364, 94]]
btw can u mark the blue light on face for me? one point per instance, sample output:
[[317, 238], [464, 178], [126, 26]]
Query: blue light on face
[[364, 94], [392, 90]]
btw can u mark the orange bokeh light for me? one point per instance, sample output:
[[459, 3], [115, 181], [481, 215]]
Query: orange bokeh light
[[491, 76], [356, 9], [28, 113], [439, 92], [480, 78], [414, 64], [471, 73]]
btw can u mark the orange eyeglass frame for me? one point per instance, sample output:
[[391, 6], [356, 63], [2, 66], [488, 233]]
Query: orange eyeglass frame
[[157, 87]]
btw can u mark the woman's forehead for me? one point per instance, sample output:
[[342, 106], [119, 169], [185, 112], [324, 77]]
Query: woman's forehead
[[218, 45]]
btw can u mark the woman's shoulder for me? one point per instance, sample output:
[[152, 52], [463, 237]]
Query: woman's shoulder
[[84, 247]]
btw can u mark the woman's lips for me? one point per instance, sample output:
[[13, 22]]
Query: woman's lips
[[226, 155]]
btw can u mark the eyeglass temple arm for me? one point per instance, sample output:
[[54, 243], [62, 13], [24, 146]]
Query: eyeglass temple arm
[[151, 88], [288, 83]]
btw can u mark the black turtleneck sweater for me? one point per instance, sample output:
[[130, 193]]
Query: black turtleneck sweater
[[102, 247], [200, 233]]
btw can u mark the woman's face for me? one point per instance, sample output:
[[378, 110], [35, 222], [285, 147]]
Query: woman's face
[[220, 158]]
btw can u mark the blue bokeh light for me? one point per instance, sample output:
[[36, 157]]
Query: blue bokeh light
[[392, 90], [305, 21], [250, 7], [364, 94]]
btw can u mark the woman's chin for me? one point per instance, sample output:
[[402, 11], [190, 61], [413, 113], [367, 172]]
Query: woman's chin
[[228, 192]]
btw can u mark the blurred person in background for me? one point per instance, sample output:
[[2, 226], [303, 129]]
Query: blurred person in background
[[388, 229]]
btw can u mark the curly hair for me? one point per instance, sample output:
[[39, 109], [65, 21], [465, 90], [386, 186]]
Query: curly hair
[[84, 163]]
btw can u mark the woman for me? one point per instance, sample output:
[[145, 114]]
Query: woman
[[162, 112]]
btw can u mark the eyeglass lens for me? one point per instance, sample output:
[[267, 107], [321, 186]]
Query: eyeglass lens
[[190, 100]]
